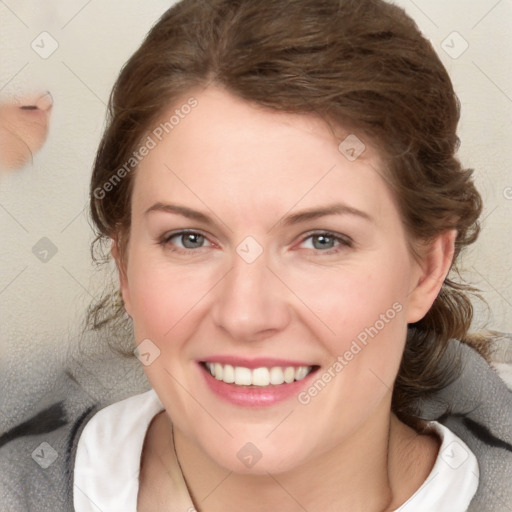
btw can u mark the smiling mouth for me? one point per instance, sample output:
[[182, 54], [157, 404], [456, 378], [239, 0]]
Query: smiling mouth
[[259, 377]]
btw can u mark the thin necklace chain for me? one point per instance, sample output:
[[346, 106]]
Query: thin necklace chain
[[179, 464]]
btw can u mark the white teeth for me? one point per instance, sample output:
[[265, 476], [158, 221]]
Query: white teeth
[[262, 377], [289, 374], [229, 374], [218, 371], [301, 373], [242, 376], [276, 376]]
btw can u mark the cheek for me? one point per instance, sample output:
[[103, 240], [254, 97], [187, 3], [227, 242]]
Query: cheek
[[165, 299], [359, 315], [348, 301], [363, 329]]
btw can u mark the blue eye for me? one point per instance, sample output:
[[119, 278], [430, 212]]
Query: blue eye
[[325, 241], [185, 240]]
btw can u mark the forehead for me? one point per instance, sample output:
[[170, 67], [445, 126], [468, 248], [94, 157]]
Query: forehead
[[225, 151]]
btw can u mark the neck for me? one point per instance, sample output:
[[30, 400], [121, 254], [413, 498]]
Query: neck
[[377, 469]]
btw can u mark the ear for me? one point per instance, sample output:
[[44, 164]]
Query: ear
[[432, 271], [123, 279]]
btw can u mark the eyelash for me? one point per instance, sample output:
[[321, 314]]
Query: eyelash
[[342, 241]]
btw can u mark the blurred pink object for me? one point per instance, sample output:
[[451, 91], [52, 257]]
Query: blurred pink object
[[24, 127]]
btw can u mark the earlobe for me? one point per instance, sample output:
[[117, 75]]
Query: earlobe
[[433, 270], [121, 271]]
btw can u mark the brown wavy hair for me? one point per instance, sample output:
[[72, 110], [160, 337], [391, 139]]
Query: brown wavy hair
[[360, 64]]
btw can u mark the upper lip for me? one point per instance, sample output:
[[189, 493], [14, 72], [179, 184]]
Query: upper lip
[[259, 362]]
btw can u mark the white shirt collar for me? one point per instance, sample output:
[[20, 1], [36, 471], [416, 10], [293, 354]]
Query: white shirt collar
[[107, 464]]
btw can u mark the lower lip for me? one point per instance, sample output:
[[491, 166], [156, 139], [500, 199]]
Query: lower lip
[[254, 396]]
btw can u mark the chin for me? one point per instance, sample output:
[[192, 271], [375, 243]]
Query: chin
[[255, 458]]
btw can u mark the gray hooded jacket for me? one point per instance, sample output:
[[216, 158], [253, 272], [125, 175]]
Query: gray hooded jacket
[[37, 456]]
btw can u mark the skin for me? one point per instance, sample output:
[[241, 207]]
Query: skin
[[23, 129], [246, 168]]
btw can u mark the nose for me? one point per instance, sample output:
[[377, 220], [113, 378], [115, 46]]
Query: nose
[[251, 303]]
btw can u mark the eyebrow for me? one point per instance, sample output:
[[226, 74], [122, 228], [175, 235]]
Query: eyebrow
[[180, 210], [288, 220], [315, 213]]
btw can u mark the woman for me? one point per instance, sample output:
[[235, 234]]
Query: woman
[[286, 210], [279, 184]]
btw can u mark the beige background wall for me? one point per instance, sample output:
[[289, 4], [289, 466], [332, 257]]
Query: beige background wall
[[41, 302]]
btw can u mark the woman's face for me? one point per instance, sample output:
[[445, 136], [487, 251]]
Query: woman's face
[[295, 257]]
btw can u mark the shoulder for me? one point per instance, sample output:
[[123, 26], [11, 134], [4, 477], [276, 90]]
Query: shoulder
[[452, 478], [110, 449], [120, 414], [477, 408], [37, 455], [120, 424]]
